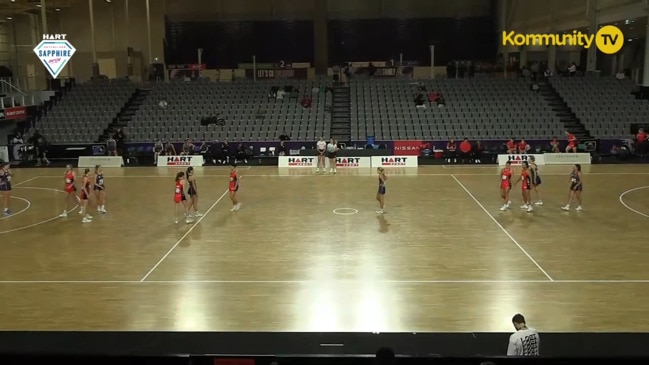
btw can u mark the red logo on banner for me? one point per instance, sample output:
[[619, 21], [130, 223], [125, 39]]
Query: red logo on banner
[[407, 148], [17, 112]]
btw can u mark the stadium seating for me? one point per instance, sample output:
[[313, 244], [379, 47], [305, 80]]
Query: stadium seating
[[249, 113], [604, 105], [85, 111], [480, 109]]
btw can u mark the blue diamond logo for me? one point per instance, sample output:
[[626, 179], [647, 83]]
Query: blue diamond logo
[[54, 54]]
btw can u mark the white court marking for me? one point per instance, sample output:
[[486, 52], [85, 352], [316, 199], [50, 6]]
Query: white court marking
[[272, 282], [41, 222], [345, 211], [502, 228], [29, 204], [185, 235], [621, 198]]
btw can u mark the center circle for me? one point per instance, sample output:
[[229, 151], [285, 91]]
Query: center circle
[[345, 211]]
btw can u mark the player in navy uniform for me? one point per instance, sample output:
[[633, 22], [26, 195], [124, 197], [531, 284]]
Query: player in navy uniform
[[100, 189], [5, 186], [576, 187], [536, 179], [192, 192], [380, 195]]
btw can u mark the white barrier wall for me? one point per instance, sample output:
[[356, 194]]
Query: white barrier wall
[[395, 161], [567, 158], [185, 161], [104, 161], [4, 153], [516, 160], [312, 162]]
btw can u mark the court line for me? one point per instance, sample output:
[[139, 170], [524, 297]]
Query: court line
[[41, 222], [477, 166], [366, 174], [603, 281], [184, 236], [502, 228], [29, 204], [26, 181], [628, 207]]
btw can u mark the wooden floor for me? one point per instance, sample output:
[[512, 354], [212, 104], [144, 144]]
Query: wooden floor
[[442, 259]]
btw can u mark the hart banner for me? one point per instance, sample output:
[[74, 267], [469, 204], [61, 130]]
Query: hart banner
[[517, 160], [407, 148]]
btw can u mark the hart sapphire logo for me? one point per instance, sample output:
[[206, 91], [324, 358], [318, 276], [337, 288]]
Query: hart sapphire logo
[[55, 52]]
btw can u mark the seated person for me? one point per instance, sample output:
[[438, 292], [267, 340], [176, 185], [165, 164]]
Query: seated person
[[523, 147], [554, 144], [306, 102], [511, 146], [188, 147], [450, 151], [478, 151], [432, 97], [170, 149], [273, 92], [441, 102], [419, 101], [641, 142], [465, 150], [281, 150], [158, 150], [241, 154]]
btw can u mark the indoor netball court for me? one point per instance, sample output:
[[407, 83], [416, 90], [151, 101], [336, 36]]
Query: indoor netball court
[[307, 252]]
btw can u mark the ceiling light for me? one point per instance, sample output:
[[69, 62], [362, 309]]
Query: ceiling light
[[108, 1], [57, 9], [38, 5], [9, 18]]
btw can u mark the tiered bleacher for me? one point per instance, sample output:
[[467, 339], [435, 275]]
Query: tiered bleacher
[[604, 105], [480, 109], [249, 112], [85, 111]]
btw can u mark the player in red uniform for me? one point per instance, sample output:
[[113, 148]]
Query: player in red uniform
[[506, 185], [70, 189], [523, 147], [511, 146], [234, 187], [572, 143], [180, 198], [527, 185], [84, 196]]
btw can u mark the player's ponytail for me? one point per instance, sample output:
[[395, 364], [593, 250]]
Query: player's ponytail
[[189, 171], [179, 176]]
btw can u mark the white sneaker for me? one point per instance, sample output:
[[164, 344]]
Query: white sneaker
[[189, 220], [80, 211], [529, 209], [103, 211], [509, 204], [176, 221], [567, 207], [380, 211], [197, 214], [524, 206], [317, 170], [86, 220], [234, 208], [579, 208], [503, 208], [539, 203], [237, 207], [63, 215]]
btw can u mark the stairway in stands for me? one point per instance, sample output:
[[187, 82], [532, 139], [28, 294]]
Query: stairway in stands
[[341, 114], [125, 115], [559, 106]]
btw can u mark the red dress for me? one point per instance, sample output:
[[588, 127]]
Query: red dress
[[179, 194], [506, 178], [525, 178], [572, 140], [522, 147], [69, 182], [234, 181]]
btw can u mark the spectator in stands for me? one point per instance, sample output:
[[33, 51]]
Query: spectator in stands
[[111, 146], [535, 87], [281, 150], [188, 147], [158, 150], [432, 97], [478, 151], [284, 137], [241, 154], [384, 356], [170, 149], [419, 101], [523, 147], [273, 92], [572, 142], [371, 69], [441, 101], [465, 150], [120, 139], [525, 341], [280, 94], [225, 152], [450, 151], [572, 69], [554, 143], [641, 142], [511, 146], [306, 102], [548, 73]]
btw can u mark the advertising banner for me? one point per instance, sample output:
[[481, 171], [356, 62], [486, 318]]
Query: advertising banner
[[567, 158], [104, 161], [13, 113], [394, 161], [516, 160], [407, 148], [180, 161], [297, 161], [353, 162]]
